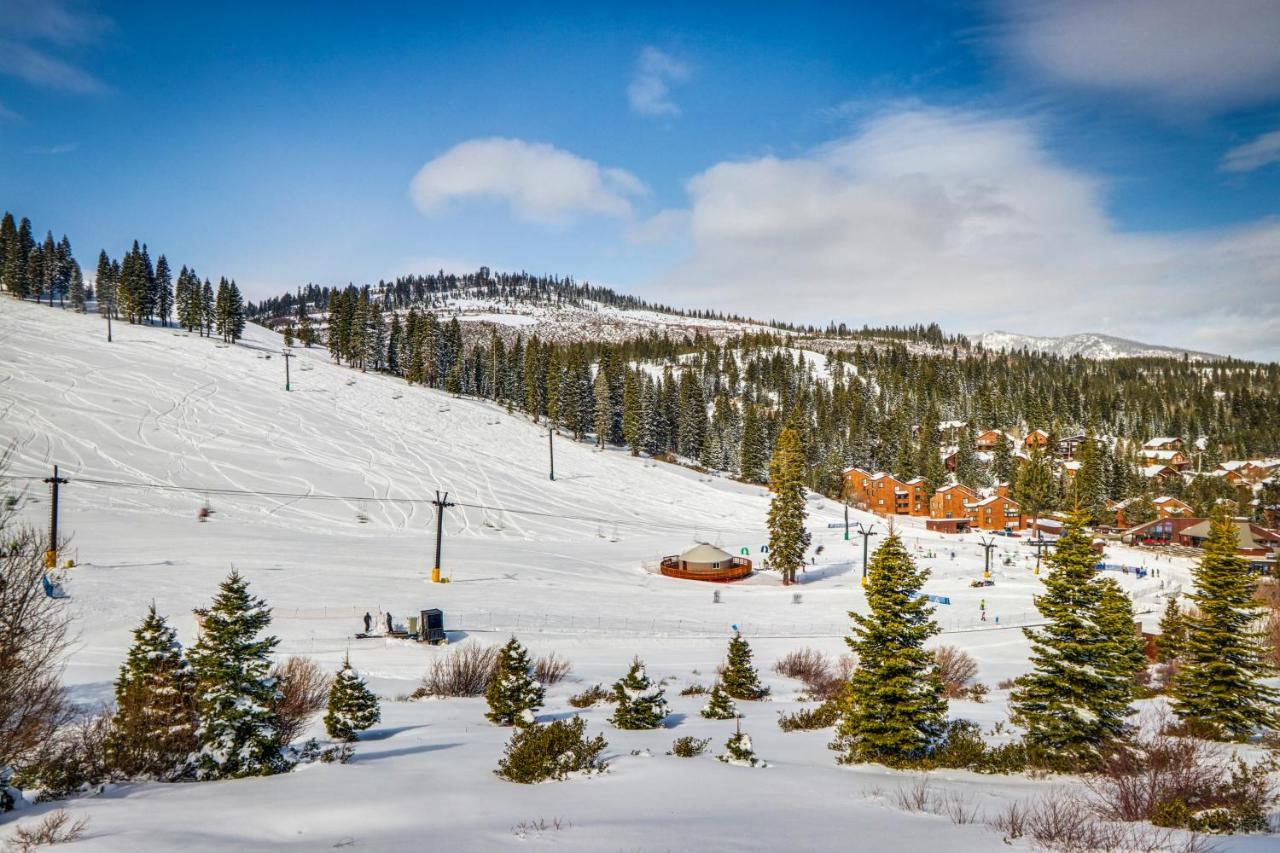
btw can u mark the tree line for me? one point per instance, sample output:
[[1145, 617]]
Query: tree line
[[131, 288]]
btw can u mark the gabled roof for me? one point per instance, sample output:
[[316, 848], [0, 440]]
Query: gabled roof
[[1248, 535], [1161, 454], [1160, 441], [1155, 470]]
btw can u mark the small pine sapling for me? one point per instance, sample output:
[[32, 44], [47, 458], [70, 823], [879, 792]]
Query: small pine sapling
[[719, 705], [739, 677], [513, 694], [353, 707], [738, 750], [640, 704]]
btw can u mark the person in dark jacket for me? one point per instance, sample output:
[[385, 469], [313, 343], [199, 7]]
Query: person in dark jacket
[[368, 623]]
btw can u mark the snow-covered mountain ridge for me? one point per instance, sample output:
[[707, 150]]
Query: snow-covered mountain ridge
[[1090, 345]]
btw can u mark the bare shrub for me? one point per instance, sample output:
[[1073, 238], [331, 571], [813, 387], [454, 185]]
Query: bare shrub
[[694, 690], [33, 643], [916, 797], [75, 758], [956, 668], [824, 678], [960, 809], [1061, 822], [303, 692], [1006, 684], [551, 669], [537, 826], [56, 828], [1184, 783], [689, 746], [464, 670]]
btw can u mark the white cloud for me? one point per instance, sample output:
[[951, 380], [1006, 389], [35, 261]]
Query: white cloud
[[33, 31], [1262, 151], [665, 226], [540, 182], [1181, 52], [964, 218], [650, 87]]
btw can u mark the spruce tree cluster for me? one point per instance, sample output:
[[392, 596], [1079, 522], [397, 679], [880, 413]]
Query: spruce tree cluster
[[514, 695], [638, 702], [352, 708], [1218, 689], [1075, 700], [893, 711], [788, 537]]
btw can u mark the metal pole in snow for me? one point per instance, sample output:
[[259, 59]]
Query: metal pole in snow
[[51, 556], [287, 355], [551, 447], [440, 503]]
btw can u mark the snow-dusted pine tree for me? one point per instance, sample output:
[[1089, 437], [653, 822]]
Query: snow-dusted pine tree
[[1072, 702], [1126, 657], [232, 664], [719, 704], [638, 702], [893, 711], [153, 732], [1218, 691], [738, 750], [353, 707], [788, 537], [739, 677], [513, 693]]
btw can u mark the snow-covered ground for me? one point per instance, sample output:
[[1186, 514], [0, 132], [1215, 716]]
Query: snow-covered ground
[[561, 563]]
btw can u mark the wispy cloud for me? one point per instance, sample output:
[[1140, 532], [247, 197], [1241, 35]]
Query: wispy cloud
[[966, 218], [539, 182], [1187, 53], [650, 88], [54, 150], [1262, 151], [36, 35]]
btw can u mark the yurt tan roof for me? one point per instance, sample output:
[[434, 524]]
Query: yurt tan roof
[[705, 553]]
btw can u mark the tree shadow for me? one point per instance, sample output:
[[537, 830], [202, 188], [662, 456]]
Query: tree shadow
[[383, 734], [358, 758]]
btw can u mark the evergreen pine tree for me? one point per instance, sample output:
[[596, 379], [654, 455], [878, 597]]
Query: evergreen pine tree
[[968, 468], [1090, 485], [238, 729], [1002, 463], [77, 293], [604, 411], [8, 249], [1173, 632], [1125, 657], [753, 451], [353, 707], [633, 411], [104, 285], [893, 711], [719, 705], [153, 731], [514, 695], [163, 291], [208, 308], [788, 538], [1071, 703], [1034, 487], [739, 677], [638, 703], [1218, 690]]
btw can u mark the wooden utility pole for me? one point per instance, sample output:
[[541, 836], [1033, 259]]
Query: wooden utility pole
[[441, 504], [51, 555], [287, 355]]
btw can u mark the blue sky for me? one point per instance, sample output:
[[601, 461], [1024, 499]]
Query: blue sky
[[1031, 166]]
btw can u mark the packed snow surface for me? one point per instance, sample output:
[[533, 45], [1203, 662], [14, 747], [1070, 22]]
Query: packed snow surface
[[1090, 345], [321, 497]]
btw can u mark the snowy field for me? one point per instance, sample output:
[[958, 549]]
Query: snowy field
[[337, 521]]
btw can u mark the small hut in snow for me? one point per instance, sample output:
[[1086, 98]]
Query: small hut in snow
[[706, 563]]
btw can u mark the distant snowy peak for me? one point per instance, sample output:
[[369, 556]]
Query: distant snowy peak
[[1087, 344]]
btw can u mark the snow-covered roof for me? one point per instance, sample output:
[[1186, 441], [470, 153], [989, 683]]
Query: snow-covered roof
[[1159, 441], [1155, 470], [704, 553], [1161, 454]]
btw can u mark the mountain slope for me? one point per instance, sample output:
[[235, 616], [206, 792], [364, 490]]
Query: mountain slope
[[1087, 344]]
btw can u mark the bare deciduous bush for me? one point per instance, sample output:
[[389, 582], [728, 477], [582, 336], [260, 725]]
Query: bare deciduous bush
[[1185, 783], [956, 668], [551, 669], [464, 670], [915, 797], [824, 678], [33, 642], [56, 828], [303, 690], [73, 759], [525, 828], [1061, 822], [694, 690], [1005, 684]]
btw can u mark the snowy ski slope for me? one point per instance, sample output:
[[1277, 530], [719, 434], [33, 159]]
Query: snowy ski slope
[[321, 497]]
